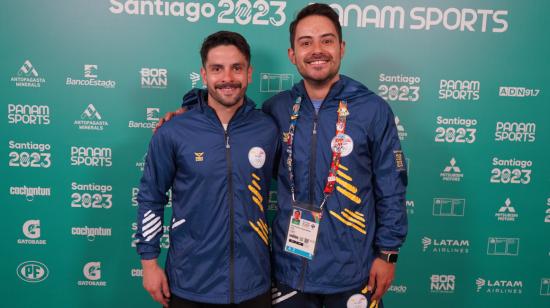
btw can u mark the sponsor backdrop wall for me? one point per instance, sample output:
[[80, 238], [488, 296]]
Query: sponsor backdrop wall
[[83, 82]]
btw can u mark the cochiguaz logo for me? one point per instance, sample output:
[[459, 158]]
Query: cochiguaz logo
[[91, 156], [92, 273], [30, 192], [28, 114], [91, 233], [445, 246], [91, 119], [515, 131], [32, 271], [27, 76], [499, 286], [460, 90], [90, 79], [31, 230], [452, 172]]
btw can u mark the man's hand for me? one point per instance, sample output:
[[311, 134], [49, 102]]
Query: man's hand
[[167, 117], [155, 282], [380, 278]]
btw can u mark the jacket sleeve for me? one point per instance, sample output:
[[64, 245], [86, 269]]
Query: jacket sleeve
[[389, 181], [159, 172]]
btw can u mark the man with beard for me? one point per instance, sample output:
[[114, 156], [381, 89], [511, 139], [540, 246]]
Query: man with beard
[[217, 159], [342, 172], [342, 167]]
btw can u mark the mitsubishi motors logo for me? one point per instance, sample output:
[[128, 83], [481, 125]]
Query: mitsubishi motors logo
[[507, 212], [452, 172]]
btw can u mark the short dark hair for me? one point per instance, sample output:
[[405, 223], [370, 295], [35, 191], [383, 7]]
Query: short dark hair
[[225, 38], [320, 9]]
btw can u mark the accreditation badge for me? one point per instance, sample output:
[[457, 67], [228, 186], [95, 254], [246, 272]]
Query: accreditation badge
[[303, 229]]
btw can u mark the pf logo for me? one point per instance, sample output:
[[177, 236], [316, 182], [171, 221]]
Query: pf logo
[[31, 229], [92, 270], [32, 271]]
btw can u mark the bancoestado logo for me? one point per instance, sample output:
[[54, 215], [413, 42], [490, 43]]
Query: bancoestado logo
[[459, 90], [151, 119], [154, 78], [399, 88], [92, 273], [32, 271], [27, 76], [90, 79], [511, 171], [455, 130], [164, 239], [30, 192], [445, 246], [515, 131], [493, 286], [241, 12], [91, 195], [28, 114], [422, 18], [91, 156], [91, 119], [29, 154], [399, 289], [91, 233], [31, 230]]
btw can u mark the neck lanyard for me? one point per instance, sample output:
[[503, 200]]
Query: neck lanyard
[[336, 149]]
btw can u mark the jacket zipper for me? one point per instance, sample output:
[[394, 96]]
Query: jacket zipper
[[312, 162], [231, 219]]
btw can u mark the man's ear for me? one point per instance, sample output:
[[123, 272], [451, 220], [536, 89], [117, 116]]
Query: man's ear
[[203, 75], [292, 56]]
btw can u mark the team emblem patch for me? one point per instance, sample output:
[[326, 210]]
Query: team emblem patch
[[357, 301], [345, 147], [256, 157], [399, 161]]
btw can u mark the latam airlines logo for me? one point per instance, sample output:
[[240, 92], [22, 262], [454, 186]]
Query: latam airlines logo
[[195, 78], [92, 273], [499, 286], [459, 90], [30, 192], [32, 271], [31, 230], [90, 79], [507, 212], [27, 76], [28, 114], [452, 172], [91, 119], [91, 156], [445, 246], [154, 78], [442, 283]]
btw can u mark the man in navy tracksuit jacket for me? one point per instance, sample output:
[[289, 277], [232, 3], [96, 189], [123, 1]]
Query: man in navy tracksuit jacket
[[218, 166]]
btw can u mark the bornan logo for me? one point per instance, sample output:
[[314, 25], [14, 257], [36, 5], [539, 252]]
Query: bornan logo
[[154, 78], [27, 76], [442, 283]]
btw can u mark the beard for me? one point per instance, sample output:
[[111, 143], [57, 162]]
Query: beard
[[225, 100], [318, 79]]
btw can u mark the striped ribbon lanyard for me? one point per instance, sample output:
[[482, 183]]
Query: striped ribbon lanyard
[[336, 149]]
